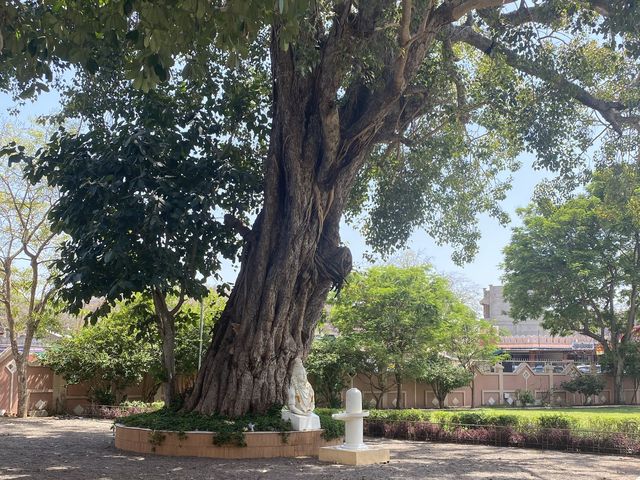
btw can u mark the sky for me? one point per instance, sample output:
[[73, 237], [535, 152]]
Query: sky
[[482, 272]]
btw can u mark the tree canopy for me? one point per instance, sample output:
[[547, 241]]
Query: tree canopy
[[400, 114], [575, 264]]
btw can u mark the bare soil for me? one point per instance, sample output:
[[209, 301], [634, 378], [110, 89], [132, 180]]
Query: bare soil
[[70, 449]]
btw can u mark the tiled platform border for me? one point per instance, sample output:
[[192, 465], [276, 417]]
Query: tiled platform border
[[200, 444]]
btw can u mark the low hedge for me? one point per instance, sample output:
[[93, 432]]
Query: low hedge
[[579, 431], [590, 420]]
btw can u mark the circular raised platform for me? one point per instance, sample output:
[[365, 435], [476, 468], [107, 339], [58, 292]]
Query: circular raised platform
[[200, 444]]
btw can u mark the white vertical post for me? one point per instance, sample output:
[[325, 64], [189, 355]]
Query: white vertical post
[[354, 421]]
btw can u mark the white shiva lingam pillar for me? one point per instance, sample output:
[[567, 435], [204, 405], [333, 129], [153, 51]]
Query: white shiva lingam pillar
[[353, 451], [353, 420]]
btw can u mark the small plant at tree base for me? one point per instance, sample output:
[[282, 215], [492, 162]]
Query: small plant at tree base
[[156, 439], [587, 385]]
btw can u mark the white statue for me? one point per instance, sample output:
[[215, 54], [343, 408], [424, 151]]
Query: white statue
[[300, 400]]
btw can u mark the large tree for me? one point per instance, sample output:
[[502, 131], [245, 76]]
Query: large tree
[[410, 109], [576, 264]]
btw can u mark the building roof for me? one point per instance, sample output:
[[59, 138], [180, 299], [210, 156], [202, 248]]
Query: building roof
[[538, 342]]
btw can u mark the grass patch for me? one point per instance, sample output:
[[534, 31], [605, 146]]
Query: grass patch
[[226, 431], [613, 419]]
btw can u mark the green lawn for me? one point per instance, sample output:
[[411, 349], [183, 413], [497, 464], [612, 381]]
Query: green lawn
[[579, 413]]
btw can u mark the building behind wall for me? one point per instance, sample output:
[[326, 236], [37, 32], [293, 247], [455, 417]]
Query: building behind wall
[[496, 310]]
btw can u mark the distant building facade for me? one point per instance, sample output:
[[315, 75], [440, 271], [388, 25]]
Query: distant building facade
[[496, 310]]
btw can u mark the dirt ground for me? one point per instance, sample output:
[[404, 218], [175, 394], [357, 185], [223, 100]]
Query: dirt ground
[[49, 448]]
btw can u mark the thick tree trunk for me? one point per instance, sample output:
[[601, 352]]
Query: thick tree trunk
[[291, 259], [167, 330]]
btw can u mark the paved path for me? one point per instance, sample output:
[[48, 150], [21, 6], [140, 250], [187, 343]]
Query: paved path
[[48, 448]]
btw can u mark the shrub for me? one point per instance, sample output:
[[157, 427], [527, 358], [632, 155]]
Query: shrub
[[556, 420], [525, 397]]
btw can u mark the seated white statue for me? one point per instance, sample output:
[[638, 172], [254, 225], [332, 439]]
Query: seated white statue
[[300, 400]]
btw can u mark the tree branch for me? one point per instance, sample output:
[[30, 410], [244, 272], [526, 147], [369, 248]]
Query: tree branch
[[454, 10], [611, 111]]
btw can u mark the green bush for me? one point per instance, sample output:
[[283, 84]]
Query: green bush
[[525, 397], [332, 428], [588, 385], [556, 420], [408, 415]]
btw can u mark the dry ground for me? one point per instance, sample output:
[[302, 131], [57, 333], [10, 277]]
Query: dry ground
[[49, 448]]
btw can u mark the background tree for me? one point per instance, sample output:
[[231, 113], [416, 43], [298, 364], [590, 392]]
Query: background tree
[[387, 314], [329, 365], [120, 349], [109, 356], [576, 264], [585, 384], [411, 110], [144, 187], [467, 339], [443, 375], [26, 251]]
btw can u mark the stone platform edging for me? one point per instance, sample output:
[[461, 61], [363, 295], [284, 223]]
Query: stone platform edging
[[200, 444]]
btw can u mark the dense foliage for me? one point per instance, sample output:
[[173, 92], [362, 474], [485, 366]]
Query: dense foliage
[[328, 365], [402, 114], [108, 356], [587, 385], [226, 430], [443, 375], [576, 263], [387, 315], [121, 349]]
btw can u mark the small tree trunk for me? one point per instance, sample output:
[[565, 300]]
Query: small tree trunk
[[398, 391], [441, 401], [23, 391], [473, 390], [167, 330], [618, 380]]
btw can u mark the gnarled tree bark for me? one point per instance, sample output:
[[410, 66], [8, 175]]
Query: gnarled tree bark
[[292, 256]]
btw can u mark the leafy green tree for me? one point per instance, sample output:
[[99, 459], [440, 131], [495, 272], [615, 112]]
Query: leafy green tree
[[329, 364], [109, 356], [576, 264], [388, 314], [587, 385], [467, 339], [410, 111], [143, 195], [443, 375], [122, 347]]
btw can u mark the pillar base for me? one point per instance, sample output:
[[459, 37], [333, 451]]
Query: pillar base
[[343, 456]]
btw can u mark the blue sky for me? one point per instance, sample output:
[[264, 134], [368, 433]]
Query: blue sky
[[483, 271]]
